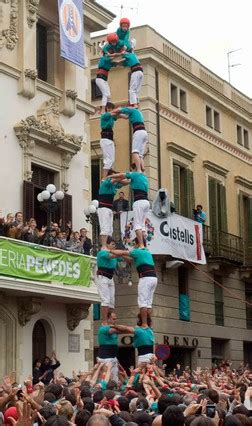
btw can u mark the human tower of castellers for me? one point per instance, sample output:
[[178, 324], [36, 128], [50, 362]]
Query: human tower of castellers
[[119, 50]]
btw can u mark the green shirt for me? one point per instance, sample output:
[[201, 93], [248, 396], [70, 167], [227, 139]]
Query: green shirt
[[105, 261], [105, 338], [142, 257], [143, 337], [108, 120], [107, 187], [109, 48], [138, 181], [124, 36], [130, 59], [134, 114], [105, 63]]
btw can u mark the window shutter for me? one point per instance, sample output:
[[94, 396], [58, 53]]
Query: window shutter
[[212, 187], [222, 208], [176, 186], [241, 214], [28, 200], [66, 209], [189, 193]]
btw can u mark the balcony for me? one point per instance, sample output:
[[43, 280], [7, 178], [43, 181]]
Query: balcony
[[227, 247], [36, 270]]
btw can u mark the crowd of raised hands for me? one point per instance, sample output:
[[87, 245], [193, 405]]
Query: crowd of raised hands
[[145, 396]]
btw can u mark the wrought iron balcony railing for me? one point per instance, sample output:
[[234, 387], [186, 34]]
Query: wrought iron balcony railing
[[227, 246]]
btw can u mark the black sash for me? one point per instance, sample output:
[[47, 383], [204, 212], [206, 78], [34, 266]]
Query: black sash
[[146, 271], [107, 351], [136, 67], [106, 200], [106, 272], [107, 134], [139, 194], [138, 126], [146, 349]]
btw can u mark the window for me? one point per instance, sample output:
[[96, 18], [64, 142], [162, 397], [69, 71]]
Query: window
[[212, 118], [174, 95], [183, 190], [95, 91], [245, 220], [242, 136], [95, 178], [178, 97], [239, 134], [184, 299], [41, 50], [248, 298], [217, 205], [218, 301]]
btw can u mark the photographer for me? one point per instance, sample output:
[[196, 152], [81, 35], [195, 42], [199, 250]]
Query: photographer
[[199, 215]]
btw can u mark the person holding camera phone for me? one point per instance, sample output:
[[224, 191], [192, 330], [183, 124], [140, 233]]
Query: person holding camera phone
[[199, 215]]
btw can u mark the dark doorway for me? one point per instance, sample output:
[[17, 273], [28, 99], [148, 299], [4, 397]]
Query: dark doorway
[[126, 357], [180, 356], [247, 353], [38, 341]]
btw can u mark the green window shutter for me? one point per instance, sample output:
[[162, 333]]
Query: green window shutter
[[189, 193], [176, 187], [222, 207], [241, 214], [212, 188]]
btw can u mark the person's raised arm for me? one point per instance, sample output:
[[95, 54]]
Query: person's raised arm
[[124, 329]]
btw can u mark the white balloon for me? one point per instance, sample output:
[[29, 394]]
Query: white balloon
[[95, 203], [51, 188], [92, 209], [45, 195], [39, 197], [59, 195], [130, 283], [86, 211]]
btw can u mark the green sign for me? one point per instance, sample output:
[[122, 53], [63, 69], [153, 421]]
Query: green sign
[[36, 262]]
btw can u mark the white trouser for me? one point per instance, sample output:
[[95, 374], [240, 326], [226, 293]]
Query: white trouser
[[106, 290], [146, 289], [105, 216], [139, 141], [145, 358], [140, 210], [105, 90], [136, 81], [108, 152], [114, 369]]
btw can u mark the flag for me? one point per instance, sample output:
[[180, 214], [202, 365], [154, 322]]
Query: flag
[[71, 31]]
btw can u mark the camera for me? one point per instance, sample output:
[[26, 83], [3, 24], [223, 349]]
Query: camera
[[210, 410]]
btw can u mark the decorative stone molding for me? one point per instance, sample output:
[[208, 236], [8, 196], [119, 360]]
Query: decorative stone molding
[[243, 182], [32, 9], [9, 36], [215, 168], [65, 186], [75, 313], [182, 152], [28, 83], [27, 306], [45, 129], [28, 175], [202, 133], [68, 103]]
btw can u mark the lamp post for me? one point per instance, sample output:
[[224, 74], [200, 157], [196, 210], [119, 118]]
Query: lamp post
[[49, 201], [92, 217]]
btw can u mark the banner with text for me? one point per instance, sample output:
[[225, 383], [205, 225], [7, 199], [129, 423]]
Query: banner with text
[[41, 264], [72, 31], [175, 235]]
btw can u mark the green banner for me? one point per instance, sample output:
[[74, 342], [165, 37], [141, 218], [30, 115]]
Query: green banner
[[36, 262]]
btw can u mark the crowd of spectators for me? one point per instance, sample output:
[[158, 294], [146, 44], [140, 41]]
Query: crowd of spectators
[[147, 396], [56, 236]]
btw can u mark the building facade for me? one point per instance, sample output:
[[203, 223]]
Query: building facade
[[44, 138], [200, 130]]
